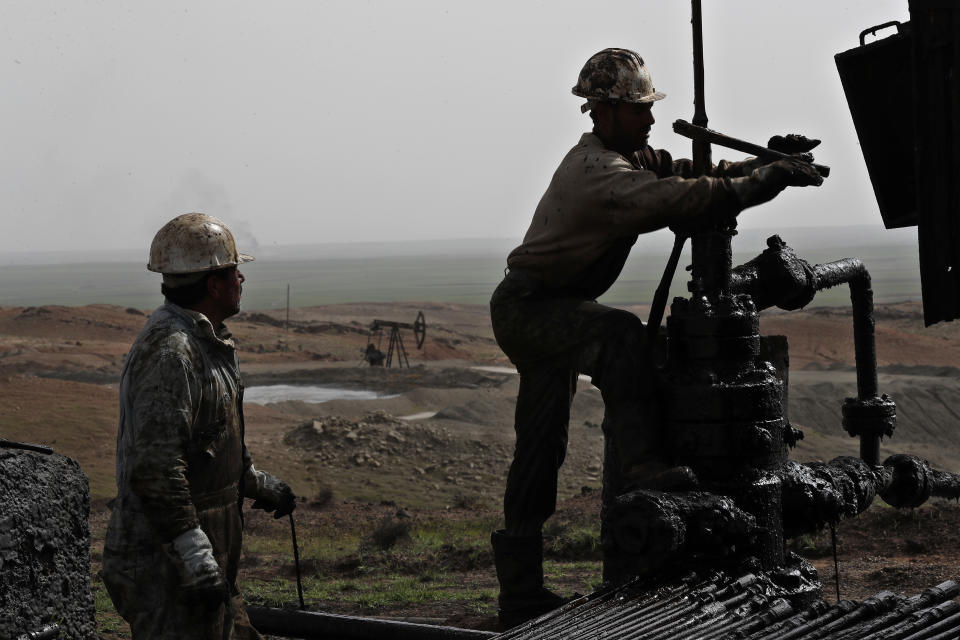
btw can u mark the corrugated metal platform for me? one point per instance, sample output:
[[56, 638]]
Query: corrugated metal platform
[[753, 606]]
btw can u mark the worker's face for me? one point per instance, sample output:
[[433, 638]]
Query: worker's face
[[631, 124], [226, 287]]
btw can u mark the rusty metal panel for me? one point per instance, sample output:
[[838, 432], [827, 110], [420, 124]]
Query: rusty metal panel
[[936, 52]]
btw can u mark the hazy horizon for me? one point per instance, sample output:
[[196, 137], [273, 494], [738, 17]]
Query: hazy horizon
[[837, 236], [464, 270]]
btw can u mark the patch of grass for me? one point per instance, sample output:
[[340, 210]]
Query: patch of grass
[[442, 560], [313, 544], [815, 545], [108, 620], [576, 542], [374, 592]]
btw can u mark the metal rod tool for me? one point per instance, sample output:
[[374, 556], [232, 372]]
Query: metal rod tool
[[10, 444], [296, 562], [703, 134]]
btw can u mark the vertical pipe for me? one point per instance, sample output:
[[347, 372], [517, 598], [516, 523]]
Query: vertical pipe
[[865, 349], [854, 272], [861, 295], [703, 244], [701, 150]]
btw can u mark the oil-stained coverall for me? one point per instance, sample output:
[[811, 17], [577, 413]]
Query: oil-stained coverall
[[180, 463], [546, 318]]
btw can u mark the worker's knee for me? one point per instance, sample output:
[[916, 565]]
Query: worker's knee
[[622, 343], [619, 360], [626, 330]]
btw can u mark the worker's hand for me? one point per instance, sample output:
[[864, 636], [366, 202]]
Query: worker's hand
[[790, 172], [767, 181], [269, 493], [201, 580]]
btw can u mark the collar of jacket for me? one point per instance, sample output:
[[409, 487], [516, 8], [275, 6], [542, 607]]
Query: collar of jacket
[[591, 140], [201, 326]]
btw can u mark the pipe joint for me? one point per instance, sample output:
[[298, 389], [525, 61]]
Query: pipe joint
[[874, 416]]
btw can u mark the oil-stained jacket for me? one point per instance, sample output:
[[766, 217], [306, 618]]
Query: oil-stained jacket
[[599, 201], [180, 460]]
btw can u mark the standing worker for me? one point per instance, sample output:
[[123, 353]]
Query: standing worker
[[173, 543], [608, 189]]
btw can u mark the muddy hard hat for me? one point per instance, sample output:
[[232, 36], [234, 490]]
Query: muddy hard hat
[[194, 242], [616, 75]]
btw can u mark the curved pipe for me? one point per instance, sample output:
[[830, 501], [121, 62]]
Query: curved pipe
[[778, 277], [854, 272]]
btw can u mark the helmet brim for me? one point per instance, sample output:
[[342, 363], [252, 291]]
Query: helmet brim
[[241, 258], [653, 97]]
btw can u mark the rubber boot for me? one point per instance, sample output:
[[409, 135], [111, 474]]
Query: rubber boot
[[519, 561]]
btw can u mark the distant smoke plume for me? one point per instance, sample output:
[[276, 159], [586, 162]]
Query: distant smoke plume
[[198, 192]]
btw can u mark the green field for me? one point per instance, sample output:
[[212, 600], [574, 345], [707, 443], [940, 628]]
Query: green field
[[439, 273]]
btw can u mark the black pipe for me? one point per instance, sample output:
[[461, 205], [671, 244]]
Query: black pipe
[[310, 624], [779, 277], [854, 272], [702, 161]]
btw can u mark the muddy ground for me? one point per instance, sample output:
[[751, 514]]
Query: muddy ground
[[445, 435]]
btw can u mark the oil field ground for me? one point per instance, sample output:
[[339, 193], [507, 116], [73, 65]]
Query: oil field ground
[[400, 492]]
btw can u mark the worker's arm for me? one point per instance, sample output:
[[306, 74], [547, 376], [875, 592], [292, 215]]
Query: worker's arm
[[163, 405], [638, 202], [662, 163]]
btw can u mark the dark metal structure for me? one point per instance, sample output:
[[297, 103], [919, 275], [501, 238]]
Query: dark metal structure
[[753, 606], [914, 165], [867, 72], [419, 328], [724, 413], [26, 446]]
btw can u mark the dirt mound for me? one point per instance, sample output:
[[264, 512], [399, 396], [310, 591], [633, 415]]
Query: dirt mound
[[473, 412], [378, 438], [93, 322]]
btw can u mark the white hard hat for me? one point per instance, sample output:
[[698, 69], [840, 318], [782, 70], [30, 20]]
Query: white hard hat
[[194, 242]]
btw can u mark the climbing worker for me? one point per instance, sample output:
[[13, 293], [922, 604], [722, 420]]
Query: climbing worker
[[608, 189], [173, 543]]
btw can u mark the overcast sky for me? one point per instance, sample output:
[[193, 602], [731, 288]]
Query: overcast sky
[[338, 121]]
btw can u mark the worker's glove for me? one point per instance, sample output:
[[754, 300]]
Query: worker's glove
[[764, 183], [793, 143], [269, 493], [201, 580]]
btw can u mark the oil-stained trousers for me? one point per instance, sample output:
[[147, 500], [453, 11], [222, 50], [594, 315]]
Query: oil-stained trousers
[[180, 461], [546, 319]]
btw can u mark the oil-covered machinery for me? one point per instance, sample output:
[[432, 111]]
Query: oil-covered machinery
[[724, 386]]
